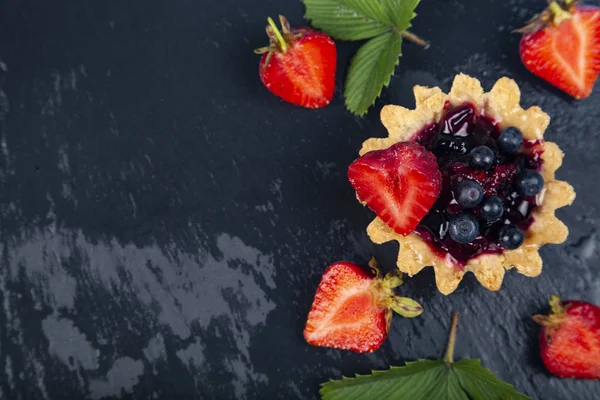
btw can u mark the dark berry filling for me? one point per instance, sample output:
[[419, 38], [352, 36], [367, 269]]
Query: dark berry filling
[[490, 182]]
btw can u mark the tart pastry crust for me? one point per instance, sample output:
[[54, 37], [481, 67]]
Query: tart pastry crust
[[501, 104]]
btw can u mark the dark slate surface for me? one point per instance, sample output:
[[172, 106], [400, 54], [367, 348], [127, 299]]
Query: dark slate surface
[[164, 220]]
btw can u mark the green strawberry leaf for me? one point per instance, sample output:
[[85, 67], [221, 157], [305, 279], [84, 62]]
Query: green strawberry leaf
[[425, 380], [480, 383], [370, 70], [385, 22], [348, 19], [400, 12]]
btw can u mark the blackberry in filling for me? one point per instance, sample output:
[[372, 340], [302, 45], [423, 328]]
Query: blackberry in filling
[[490, 182]]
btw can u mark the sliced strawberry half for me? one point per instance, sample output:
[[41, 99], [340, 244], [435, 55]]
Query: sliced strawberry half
[[562, 46], [400, 183], [299, 65], [352, 309], [570, 339]]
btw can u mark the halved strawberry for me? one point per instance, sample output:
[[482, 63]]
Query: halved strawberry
[[400, 183], [352, 309], [299, 65], [562, 46], [570, 339]]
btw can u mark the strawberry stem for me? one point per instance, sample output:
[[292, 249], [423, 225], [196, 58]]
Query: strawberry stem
[[556, 305], [449, 357], [414, 38], [278, 34]]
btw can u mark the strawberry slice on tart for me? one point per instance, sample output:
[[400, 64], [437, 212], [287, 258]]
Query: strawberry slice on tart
[[400, 183]]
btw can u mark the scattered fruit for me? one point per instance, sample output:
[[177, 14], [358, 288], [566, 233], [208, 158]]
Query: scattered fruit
[[463, 228], [468, 193], [492, 208], [352, 309], [562, 46], [510, 140], [511, 237], [299, 65], [482, 157], [400, 183], [570, 339], [529, 183]]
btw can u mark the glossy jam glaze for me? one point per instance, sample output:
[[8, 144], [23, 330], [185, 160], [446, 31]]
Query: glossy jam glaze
[[460, 129]]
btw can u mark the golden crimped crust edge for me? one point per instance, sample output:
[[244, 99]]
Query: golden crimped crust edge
[[501, 104]]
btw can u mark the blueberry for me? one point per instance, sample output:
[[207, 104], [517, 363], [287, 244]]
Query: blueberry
[[468, 193], [482, 157], [450, 144], [463, 228], [511, 237], [491, 208], [529, 182], [510, 140]]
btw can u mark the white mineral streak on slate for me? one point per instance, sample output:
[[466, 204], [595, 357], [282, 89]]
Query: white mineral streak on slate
[[225, 291]]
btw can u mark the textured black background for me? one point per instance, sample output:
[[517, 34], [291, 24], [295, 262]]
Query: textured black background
[[164, 220]]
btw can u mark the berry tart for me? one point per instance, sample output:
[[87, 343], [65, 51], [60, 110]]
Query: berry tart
[[464, 182]]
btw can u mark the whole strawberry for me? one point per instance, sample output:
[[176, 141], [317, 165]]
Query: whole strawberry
[[562, 46], [299, 65], [352, 309], [570, 339]]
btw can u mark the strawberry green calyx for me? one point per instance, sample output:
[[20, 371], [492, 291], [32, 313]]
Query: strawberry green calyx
[[557, 315], [569, 4], [392, 280], [559, 14], [280, 40], [556, 12], [404, 306]]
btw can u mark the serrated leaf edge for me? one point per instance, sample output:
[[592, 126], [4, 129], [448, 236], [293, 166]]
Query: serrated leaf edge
[[477, 361], [374, 372], [389, 21], [434, 364], [386, 82]]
